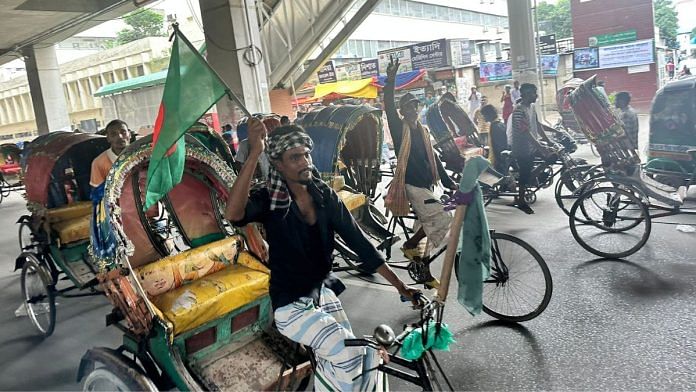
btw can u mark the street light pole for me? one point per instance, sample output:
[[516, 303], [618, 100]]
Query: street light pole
[[522, 51], [540, 71]]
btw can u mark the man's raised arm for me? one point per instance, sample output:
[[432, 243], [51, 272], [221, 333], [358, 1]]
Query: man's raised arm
[[239, 194]]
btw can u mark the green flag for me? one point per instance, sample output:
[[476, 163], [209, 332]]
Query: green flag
[[192, 88]]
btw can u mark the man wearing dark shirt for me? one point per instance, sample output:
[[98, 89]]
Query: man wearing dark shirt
[[498, 137], [421, 176], [300, 214]]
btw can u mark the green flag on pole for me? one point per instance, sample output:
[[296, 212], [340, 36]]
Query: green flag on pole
[[191, 89]]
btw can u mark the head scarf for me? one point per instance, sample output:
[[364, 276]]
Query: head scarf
[[277, 145]]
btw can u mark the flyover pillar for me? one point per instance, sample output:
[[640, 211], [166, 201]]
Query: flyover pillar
[[234, 46], [522, 48], [46, 89]]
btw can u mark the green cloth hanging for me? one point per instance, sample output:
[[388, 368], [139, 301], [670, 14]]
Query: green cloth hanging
[[474, 240]]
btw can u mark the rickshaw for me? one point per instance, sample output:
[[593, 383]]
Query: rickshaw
[[10, 170], [54, 239], [197, 319], [347, 153], [672, 132], [613, 214], [455, 133]]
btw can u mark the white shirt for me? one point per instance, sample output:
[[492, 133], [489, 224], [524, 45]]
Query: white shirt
[[516, 95], [243, 152]]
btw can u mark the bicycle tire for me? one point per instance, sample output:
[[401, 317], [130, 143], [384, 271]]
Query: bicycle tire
[[576, 224], [24, 229], [32, 265], [348, 256], [501, 283]]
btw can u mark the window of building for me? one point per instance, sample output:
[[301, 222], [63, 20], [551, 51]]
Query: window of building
[[414, 10], [430, 11], [140, 70], [76, 45], [395, 7]]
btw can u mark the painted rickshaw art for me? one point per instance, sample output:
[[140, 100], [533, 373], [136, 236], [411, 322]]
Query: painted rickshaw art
[[54, 238], [194, 316]]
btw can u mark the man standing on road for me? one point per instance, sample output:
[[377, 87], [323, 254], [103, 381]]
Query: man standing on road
[[628, 116], [301, 214], [419, 168], [515, 93]]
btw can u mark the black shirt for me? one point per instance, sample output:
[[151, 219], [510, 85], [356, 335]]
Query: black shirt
[[418, 171], [499, 142], [299, 253]]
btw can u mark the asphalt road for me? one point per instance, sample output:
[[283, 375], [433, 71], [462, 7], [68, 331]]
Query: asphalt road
[[611, 324]]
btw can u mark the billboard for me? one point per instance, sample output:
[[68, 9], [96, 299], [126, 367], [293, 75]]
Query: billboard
[[614, 56], [423, 55], [490, 72], [585, 58], [327, 73]]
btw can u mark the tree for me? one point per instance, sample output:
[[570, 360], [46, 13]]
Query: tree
[[143, 23], [557, 16], [666, 20], [693, 33]]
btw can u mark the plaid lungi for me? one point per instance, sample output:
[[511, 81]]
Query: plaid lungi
[[324, 328]]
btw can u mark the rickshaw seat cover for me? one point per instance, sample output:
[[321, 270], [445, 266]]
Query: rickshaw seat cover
[[70, 211], [214, 295], [191, 202], [352, 201], [177, 270], [72, 230]]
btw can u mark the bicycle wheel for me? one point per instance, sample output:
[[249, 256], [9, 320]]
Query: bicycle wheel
[[572, 183], [520, 285], [351, 259], [617, 222], [38, 294], [26, 237]]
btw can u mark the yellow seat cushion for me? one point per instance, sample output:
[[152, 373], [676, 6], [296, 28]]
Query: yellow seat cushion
[[175, 271], [71, 230], [215, 295], [352, 200], [70, 211]]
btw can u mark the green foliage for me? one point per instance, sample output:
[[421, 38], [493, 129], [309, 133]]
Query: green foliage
[[557, 17], [666, 20], [693, 33], [143, 23]]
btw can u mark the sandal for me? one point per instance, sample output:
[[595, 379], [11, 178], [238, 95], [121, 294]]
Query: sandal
[[414, 254]]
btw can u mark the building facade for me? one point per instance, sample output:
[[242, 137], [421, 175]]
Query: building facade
[[81, 78]]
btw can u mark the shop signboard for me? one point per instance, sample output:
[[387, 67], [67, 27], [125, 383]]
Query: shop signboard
[[585, 58], [327, 73], [547, 44], [350, 71], [369, 68], [627, 54], [490, 72], [612, 38], [614, 56], [429, 55], [549, 64], [423, 55], [403, 54], [460, 52]]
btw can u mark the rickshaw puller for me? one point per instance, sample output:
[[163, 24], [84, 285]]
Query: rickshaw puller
[[118, 135], [300, 214], [423, 167]]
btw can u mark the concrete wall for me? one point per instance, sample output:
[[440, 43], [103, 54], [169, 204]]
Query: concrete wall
[[281, 102], [611, 16]]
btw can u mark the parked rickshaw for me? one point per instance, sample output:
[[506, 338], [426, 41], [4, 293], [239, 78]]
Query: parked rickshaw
[[613, 215], [347, 152], [54, 239], [11, 178], [672, 132], [193, 320]]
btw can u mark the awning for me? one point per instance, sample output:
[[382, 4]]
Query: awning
[[403, 80], [153, 79], [363, 88]]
